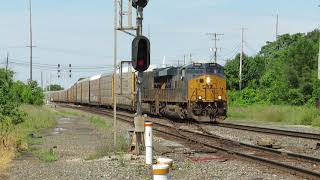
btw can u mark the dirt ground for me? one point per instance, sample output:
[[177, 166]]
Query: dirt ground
[[73, 140]]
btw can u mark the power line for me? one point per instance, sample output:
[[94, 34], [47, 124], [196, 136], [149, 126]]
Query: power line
[[250, 47], [54, 65], [234, 51], [215, 48], [73, 52]]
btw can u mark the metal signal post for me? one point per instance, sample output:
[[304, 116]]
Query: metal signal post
[[140, 62], [142, 52], [139, 84]]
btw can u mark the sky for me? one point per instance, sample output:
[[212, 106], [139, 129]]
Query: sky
[[80, 32]]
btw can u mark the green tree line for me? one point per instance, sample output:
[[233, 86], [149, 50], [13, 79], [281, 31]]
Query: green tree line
[[13, 94], [283, 72]]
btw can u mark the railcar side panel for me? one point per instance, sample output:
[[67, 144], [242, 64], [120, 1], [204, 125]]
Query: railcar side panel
[[126, 90], [85, 93], [95, 91], [78, 89], [74, 89], [106, 90], [69, 95]]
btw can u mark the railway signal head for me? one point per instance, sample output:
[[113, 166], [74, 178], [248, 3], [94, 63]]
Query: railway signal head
[[141, 53], [140, 3]]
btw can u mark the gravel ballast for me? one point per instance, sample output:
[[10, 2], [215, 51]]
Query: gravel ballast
[[74, 139]]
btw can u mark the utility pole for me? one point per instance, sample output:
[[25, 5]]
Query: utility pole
[[114, 75], [42, 80], [241, 58], [190, 57], [277, 26], [7, 62], [31, 43], [215, 48], [184, 59], [50, 79], [319, 56]]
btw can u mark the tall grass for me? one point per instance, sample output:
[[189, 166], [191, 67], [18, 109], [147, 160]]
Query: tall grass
[[296, 115], [38, 117]]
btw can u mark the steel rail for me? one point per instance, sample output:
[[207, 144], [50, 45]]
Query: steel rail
[[289, 168], [296, 134]]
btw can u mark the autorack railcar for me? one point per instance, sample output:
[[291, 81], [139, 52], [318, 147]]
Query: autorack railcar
[[195, 91]]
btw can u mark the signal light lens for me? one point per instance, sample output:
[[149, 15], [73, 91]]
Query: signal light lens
[[141, 62], [141, 53]]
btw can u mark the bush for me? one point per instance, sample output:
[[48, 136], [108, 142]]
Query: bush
[[295, 97], [13, 94], [283, 72]]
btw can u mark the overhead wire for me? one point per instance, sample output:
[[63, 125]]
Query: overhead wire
[[250, 48]]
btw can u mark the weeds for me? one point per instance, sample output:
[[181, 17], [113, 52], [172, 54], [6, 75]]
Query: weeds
[[187, 164], [122, 161], [100, 122], [68, 112], [46, 155], [109, 149], [277, 113], [18, 136]]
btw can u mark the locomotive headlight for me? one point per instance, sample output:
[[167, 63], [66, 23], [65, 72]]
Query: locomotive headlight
[[200, 97], [208, 80], [219, 97]]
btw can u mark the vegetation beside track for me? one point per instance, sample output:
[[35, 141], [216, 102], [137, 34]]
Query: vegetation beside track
[[286, 114], [105, 125], [19, 137], [17, 122], [280, 82], [283, 72]]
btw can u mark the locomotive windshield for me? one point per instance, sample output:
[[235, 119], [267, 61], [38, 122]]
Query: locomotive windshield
[[213, 68], [207, 68]]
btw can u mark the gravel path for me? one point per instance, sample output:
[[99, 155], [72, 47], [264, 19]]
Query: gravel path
[[75, 139]]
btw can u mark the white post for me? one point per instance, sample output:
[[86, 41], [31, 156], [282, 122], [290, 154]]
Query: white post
[[148, 142], [166, 161], [160, 172]]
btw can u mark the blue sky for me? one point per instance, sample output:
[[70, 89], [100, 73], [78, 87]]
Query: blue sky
[[80, 32]]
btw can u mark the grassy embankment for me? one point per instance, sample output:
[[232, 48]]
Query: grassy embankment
[[293, 115], [19, 137]]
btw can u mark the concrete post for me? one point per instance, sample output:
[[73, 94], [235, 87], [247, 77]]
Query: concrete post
[[148, 142], [160, 172]]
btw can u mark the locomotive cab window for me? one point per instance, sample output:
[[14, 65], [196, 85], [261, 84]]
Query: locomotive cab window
[[215, 70]]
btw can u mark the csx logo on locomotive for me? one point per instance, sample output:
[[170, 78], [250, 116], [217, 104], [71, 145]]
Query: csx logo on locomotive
[[195, 91]]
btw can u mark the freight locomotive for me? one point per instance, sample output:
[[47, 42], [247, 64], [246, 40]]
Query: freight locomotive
[[195, 91]]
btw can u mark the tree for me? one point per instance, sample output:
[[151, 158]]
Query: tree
[[55, 87], [283, 72]]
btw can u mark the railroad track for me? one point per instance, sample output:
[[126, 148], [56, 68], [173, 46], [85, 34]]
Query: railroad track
[[305, 166], [296, 134]]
